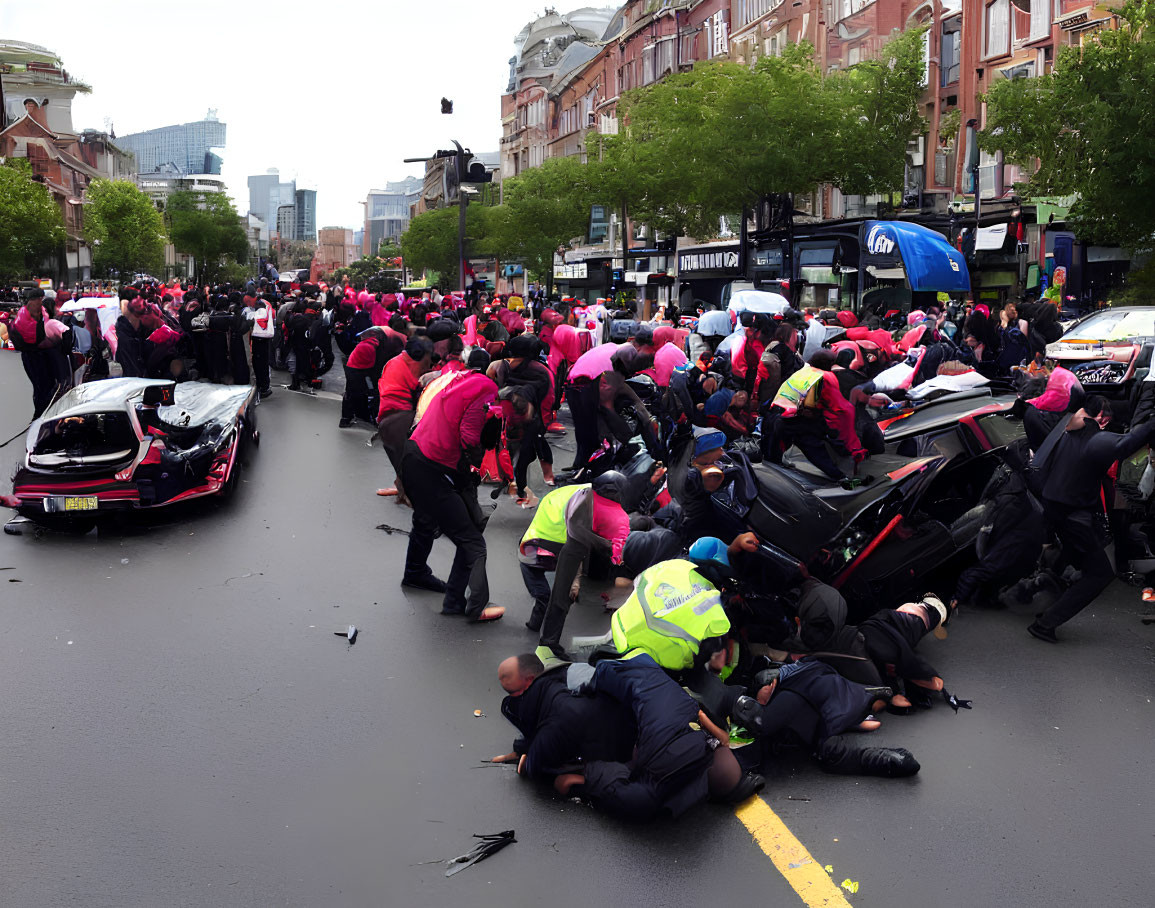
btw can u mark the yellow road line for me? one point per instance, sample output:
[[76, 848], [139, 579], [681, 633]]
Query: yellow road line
[[790, 856]]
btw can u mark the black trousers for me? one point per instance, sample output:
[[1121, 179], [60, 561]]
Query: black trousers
[[808, 435], [261, 347], [1084, 548], [302, 367], [550, 607], [41, 373], [443, 501], [355, 401], [583, 407]]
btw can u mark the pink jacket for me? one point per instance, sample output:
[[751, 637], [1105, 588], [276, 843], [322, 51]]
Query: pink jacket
[[455, 418], [1057, 395], [611, 522], [596, 362], [564, 347]]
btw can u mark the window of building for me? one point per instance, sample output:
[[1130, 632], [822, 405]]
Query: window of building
[[847, 8], [38, 158], [776, 43], [1040, 19], [997, 30], [951, 47], [719, 34], [688, 49]]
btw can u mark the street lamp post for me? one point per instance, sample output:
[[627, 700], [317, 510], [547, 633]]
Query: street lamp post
[[459, 163]]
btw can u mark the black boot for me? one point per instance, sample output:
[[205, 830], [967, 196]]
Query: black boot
[[748, 786], [890, 762]]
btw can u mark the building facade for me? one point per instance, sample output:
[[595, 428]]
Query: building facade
[[549, 46], [387, 213], [268, 193], [335, 249], [564, 90], [306, 214], [189, 147], [37, 125]]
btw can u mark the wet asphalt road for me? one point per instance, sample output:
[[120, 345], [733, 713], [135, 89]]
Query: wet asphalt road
[[180, 726]]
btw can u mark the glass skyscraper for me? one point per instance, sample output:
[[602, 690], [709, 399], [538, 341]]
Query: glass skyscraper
[[188, 147]]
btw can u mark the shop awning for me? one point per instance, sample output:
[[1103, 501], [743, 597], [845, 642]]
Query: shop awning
[[931, 263]]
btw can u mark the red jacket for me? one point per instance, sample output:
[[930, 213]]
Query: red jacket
[[455, 418], [364, 355], [398, 384]]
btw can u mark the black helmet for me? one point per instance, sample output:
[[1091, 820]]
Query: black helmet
[[610, 485]]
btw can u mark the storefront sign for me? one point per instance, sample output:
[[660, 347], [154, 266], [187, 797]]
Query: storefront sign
[[575, 272], [719, 260], [880, 240]]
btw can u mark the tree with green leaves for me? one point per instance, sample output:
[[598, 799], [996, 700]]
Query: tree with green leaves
[[206, 226], [545, 207], [31, 226], [430, 241], [712, 141], [1090, 126], [126, 230], [292, 253]]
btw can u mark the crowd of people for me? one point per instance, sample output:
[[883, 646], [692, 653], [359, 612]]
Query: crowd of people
[[726, 390], [717, 636]]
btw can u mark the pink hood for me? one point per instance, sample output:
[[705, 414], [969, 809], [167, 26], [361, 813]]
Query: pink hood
[[1057, 396], [565, 346]]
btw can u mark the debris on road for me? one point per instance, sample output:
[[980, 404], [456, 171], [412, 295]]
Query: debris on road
[[391, 530], [850, 886], [489, 845], [479, 714], [350, 634], [954, 702]]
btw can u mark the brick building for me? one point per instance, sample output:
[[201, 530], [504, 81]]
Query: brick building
[[968, 45]]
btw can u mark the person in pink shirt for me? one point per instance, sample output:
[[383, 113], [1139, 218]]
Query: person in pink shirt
[[565, 348], [596, 382], [437, 470], [667, 357]]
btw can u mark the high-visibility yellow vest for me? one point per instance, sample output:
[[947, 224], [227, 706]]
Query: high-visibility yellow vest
[[799, 389], [548, 522], [672, 610]]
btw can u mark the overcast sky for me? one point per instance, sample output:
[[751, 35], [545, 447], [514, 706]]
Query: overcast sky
[[335, 93]]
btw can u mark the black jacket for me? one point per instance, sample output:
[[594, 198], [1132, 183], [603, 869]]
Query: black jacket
[[130, 349], [560, 729], [1078, 461]]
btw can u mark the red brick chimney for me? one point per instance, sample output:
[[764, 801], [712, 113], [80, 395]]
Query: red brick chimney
[[36, 111]]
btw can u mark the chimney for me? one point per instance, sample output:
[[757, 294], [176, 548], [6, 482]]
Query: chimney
[[36, 111]]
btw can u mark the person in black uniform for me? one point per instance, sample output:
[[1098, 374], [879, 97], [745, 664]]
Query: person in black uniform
[[1074, 460]]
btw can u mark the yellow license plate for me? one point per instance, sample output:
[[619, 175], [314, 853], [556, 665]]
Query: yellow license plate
[[85, 503]]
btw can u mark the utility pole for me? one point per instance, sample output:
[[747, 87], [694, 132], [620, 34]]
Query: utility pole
[[459, 163]]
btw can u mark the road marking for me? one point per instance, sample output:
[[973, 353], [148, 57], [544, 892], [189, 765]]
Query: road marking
[[790, 856]]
